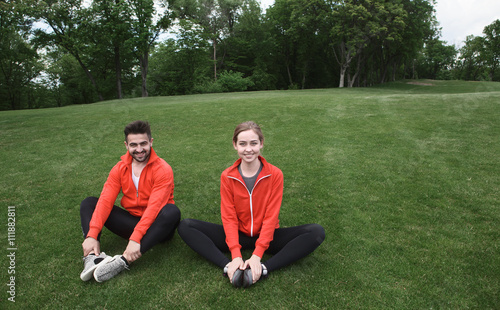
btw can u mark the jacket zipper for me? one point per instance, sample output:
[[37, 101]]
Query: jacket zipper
[[251, 201]]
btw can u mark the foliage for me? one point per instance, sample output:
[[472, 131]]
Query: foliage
[[436, 60], [480, 56], [295, 44], [230, 81], [176, 65], [19, 61]]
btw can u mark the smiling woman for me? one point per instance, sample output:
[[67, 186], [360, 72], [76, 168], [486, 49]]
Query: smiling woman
[[251, 193]]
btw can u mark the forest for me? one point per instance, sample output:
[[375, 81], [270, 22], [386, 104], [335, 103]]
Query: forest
[[55, 53]]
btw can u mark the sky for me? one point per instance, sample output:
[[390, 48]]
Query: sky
[[460, 18], [457, 18]]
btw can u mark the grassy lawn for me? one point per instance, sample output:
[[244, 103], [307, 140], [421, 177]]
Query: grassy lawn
[[405, 178]]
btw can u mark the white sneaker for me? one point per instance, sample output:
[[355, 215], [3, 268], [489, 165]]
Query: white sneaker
[[90, 263], [106, 271]]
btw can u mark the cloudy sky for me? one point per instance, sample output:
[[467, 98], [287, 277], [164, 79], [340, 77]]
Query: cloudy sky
[[458, 18]]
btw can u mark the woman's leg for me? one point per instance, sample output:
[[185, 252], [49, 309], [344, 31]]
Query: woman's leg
[[206, 239], [293, 243]]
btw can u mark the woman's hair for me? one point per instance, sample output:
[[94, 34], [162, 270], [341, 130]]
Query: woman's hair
[[247, 126], [137, 127]]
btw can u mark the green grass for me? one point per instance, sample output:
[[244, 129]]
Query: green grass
[[405, 179]]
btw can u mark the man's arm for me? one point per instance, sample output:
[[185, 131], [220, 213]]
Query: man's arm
[[110, 191]]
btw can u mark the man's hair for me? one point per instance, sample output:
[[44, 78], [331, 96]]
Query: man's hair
[[137, 127]]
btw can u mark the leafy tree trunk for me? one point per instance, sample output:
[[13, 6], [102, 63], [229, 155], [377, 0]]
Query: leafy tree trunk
[[304, 73], [290, 79], [344, 61], [358, 69], [395, 66], [118, 72], [215, 59], [342, 75], [144, 60], [89, 75]]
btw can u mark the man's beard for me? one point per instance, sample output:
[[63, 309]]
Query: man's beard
[[143, 159]]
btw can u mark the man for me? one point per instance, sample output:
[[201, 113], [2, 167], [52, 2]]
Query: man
[[149, 215]]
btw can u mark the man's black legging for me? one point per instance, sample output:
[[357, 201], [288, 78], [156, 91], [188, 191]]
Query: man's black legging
[[123, 223], [289, 244]]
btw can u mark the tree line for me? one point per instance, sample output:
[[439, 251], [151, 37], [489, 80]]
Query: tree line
[[62, 52]]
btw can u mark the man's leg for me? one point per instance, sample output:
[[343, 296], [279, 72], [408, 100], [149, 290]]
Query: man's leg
[[91, 261], [163, 228], [87, 208], [123, 224]]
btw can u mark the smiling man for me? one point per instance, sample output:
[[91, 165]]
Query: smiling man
[[149, 214]]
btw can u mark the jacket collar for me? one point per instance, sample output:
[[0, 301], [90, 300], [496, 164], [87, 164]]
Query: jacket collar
[[127, 158], [233, 170]]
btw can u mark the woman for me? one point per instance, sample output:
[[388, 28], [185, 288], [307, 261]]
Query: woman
[[251, 193]]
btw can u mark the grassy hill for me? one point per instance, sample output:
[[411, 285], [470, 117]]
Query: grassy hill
[[403, 176]]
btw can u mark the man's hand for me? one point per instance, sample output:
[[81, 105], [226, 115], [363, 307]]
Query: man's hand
[[236, 263], [91, 245], [254, 264], [132, 252]]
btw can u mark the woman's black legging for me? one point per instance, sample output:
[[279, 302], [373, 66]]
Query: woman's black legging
[[289, 244], [123, 223]]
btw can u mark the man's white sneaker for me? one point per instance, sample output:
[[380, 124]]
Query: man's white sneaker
[[104, 272], [90, 263]]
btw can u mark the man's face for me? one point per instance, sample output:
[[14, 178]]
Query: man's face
[[139, 146]]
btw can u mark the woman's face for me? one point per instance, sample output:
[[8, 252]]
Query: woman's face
[[248, 146]]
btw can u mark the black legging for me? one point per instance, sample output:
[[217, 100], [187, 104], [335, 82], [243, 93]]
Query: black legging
[[289, 244], [123, 223]]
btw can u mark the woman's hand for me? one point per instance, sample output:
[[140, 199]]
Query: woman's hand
[[256, 267], [236, 263]]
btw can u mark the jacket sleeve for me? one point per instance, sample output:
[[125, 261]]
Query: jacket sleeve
[[271, 217], [163, 185], [105, 203], [229, 217]]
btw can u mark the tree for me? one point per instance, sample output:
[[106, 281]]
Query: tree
[[279, 18], [309, 30], [216, 17], [408, 41], [19, 64], [112, 18], [492, 47], [438, 59], [355, 23], [471, 62], [178, 65], [68, 20], [146, 25], [66, 79], [249, 49]]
